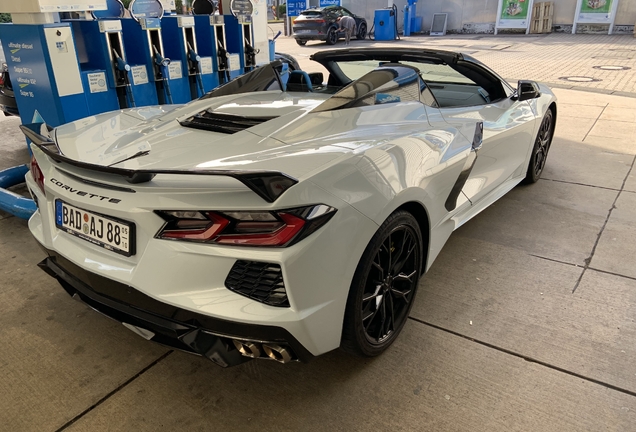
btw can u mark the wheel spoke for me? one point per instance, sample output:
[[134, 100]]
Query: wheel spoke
[[378, 265], [402, 295], [403, 277], [400, 265], [374, 295]]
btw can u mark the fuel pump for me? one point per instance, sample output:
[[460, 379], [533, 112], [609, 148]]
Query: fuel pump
[[181, 45], [105, 72], [211, 40], [240, 40]]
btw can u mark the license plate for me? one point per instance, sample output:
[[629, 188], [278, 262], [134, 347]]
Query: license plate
[[107, 232], [302, 31]]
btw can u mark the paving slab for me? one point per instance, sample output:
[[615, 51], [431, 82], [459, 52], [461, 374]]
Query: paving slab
[[552, 219], [525, 304], [582, 163], [429, 380], [580, 111], [58, 357], [616, 251], [573, 128], [614, 129]]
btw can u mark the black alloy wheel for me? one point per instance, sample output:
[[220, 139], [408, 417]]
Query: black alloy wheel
[[301, 42], [541, 147], [384, 287], [332, 36], [362, 32]]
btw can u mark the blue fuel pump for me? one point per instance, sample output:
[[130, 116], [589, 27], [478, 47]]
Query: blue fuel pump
[[44, 67], [385, 24], [105, 73], [412, 23], [210, 31], [240, 40], [181, 45]]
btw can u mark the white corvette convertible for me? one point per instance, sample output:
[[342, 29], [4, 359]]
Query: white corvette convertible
[[282, 215]]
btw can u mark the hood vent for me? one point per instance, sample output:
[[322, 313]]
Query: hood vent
[[223, 123]]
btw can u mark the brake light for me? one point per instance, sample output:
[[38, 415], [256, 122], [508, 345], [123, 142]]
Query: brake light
[[245, 228], [1, 79], [36, 172]]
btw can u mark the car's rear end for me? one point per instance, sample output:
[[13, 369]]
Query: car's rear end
[[205, 264], [312, 24]]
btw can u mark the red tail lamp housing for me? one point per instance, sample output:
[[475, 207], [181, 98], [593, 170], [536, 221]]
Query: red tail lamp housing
[[36, 172], [279, 228]]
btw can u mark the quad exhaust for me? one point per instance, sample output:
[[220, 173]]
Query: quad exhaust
[[248, 349], [254, 350], [278, 353]]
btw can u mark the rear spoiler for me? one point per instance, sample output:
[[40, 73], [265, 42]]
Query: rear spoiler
[[269, 185]]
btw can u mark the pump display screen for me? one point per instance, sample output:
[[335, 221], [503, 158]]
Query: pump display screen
[[145, 9]]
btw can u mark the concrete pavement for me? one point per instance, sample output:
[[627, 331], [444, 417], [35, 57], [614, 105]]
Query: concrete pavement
[[524, 323]]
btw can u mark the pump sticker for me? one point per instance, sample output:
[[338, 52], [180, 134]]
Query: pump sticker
[[139, 74], [234, 61], [174, 70], [97, 82], [206, 65]]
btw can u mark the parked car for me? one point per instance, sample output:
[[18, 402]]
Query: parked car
[[7, 99], [320, 24], [269, 222]]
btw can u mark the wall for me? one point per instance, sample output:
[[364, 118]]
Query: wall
[[479, 15]]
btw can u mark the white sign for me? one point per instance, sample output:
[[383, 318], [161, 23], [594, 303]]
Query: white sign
[[174, 70], [595, 12], [206, 65], [106, 26], [97, 82], [139, 74]]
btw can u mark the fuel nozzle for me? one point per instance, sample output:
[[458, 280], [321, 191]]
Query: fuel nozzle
[[192, 55], [159, 59], [120, 64]]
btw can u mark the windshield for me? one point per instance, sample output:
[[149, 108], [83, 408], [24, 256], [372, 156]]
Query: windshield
[[390, 83]]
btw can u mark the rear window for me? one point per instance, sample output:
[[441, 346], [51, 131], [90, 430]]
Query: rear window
[[430, 72], [311, 13]]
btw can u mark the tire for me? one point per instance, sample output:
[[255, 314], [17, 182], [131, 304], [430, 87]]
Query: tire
[[541, 148], [362, 32], [332, 36], [369, 328], [301, 42]]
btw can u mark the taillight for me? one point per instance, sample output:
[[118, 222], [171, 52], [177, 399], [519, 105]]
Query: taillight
[[36, 172], [1, 79], [245, 228]]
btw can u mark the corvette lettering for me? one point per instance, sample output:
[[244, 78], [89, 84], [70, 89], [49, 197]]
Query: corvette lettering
[[82, 193]]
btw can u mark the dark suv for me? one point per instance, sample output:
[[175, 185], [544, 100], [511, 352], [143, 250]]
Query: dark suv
[[7, 98], [320, 24]]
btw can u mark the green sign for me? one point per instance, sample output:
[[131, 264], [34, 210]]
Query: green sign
[[514, 14], [596, 6], [514, 10]]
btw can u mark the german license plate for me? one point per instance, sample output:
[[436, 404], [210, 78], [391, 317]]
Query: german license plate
[[106, 232], [302, 31]]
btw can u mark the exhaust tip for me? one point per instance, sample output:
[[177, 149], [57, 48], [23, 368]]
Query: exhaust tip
[[278, 353], [248, 349]]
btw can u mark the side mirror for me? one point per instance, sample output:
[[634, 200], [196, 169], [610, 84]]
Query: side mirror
[[527, 90]]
